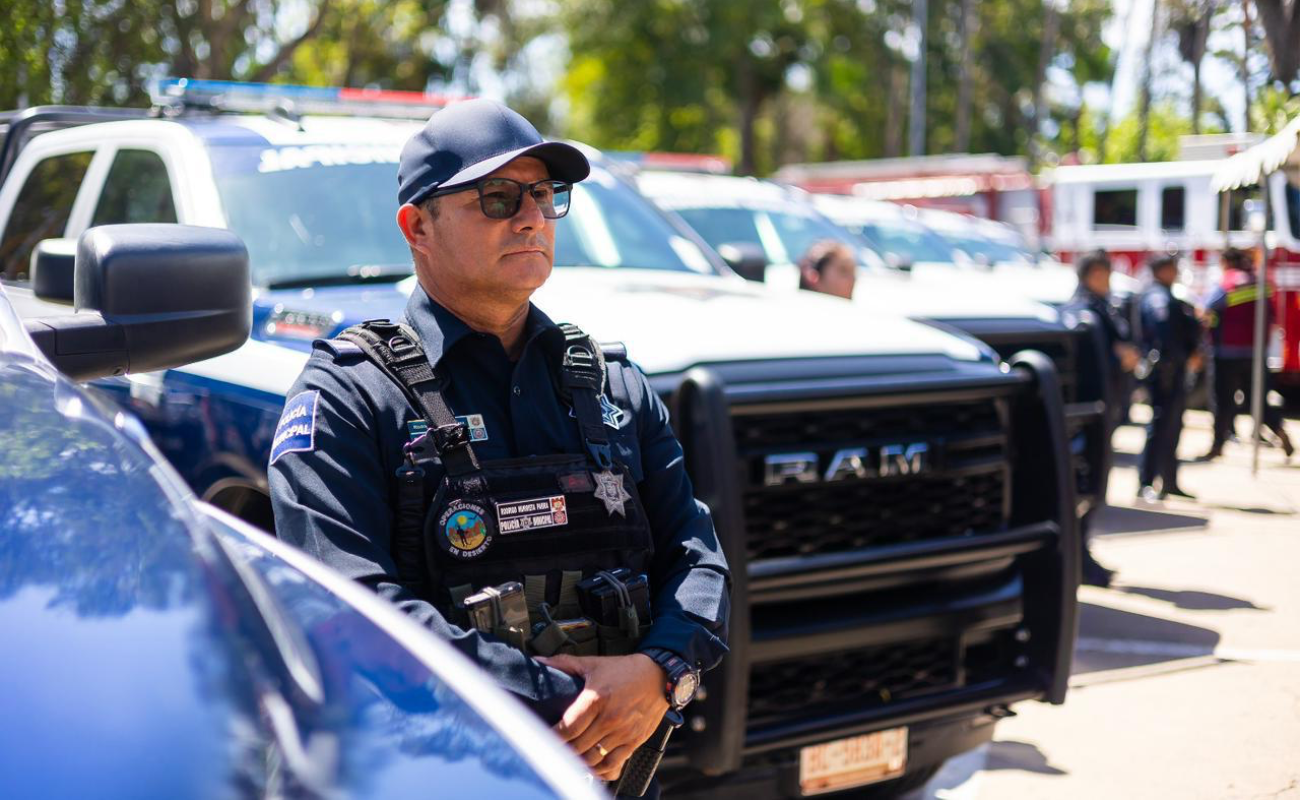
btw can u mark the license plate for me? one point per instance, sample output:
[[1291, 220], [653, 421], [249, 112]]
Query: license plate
[[858, 761]]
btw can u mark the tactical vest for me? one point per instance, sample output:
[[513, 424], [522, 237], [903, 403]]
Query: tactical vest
[[547, 522]]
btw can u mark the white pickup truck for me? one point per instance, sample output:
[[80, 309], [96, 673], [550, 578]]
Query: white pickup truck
[[895, 503]]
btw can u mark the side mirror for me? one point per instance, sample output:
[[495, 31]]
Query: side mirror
[[745, 258], [53, 263], [149, 297]]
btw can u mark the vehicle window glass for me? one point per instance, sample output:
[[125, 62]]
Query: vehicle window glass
[[1237, 207], [1173, 208], [1114, 208], [610, 225], [914, 243], [800, 232], [719, 226], [41, 210], [136, 190], [327, 212]]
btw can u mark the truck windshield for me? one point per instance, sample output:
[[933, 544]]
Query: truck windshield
[[329, 216], [988, 251], [914, 243], [784, 235]]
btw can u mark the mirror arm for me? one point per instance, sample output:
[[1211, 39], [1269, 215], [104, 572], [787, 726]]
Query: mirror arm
[[83, 346]]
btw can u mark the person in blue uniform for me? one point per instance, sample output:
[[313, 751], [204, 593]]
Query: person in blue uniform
[[1103, 377], [1171, 338], [480, 196]]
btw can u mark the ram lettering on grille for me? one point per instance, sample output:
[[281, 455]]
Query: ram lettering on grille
[[845, 479], [887, 461]]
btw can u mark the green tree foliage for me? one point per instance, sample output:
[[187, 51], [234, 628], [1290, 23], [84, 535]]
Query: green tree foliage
[[105, 51], [808, 79]]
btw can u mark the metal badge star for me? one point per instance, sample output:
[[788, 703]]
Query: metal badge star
[[610, 491]]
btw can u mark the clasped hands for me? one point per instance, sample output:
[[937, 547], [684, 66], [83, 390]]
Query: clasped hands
[[621, 703]]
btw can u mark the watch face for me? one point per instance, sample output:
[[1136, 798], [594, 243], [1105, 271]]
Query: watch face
[[684, 692]]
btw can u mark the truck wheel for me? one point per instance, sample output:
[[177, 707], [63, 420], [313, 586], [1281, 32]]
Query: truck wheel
[[899, 786]]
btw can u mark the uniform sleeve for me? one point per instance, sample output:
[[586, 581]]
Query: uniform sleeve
[[330, 494], [689, 576]]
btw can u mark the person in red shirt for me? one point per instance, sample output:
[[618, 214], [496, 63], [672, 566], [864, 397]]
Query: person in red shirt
[[1230, 318]]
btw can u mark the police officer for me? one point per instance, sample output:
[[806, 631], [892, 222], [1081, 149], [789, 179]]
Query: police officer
[[1171, 340], [1103, 376], [479, 443], [1230, 317]]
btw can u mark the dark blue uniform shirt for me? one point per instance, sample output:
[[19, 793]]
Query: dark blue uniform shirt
[[1169, 326], [334, 492]]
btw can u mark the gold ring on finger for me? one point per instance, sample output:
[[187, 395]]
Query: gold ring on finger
[[600, 748]]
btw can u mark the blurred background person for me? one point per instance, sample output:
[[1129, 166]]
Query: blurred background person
[[1103, 377], [829, 267], [1230, 317], [1171, 339]]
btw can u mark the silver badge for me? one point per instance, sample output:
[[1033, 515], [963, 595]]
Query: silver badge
[[610, 491]]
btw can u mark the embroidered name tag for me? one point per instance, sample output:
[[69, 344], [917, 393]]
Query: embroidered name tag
[[296, 432], [529, 515], [472, 422]]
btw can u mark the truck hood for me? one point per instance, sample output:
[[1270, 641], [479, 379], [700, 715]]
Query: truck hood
[[670, 321], [938, 292]]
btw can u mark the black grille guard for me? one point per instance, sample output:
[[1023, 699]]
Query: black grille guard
[[1044, 529]]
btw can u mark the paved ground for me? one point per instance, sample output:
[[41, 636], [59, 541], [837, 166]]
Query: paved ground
[[1187, 673]]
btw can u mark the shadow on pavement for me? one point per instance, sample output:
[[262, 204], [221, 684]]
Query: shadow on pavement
[[1250, 509], [1112, 520], [1114, 639], [1122, 459], [1192, 600], [1020, 755]]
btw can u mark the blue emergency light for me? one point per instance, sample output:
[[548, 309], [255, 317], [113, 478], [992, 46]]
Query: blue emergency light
[[290, 98]]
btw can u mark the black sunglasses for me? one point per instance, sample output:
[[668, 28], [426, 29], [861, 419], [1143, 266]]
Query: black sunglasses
[[501, 198]]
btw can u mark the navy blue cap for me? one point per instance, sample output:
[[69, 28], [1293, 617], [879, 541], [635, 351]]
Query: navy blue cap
[[470, 139]]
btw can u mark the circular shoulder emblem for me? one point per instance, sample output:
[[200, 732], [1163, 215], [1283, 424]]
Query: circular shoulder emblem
[[464, 529]]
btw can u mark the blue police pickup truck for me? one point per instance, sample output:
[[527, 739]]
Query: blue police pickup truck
[[156, 647], [895, 502]]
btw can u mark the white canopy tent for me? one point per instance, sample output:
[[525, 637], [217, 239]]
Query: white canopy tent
[[1253, 167], [1250, 167]]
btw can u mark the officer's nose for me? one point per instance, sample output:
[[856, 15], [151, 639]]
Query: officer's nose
[[530, 216]]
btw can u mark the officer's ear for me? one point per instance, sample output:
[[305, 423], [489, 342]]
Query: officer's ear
[[417, 226]]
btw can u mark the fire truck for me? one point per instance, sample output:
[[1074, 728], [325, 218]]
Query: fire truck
[[1134, 211]]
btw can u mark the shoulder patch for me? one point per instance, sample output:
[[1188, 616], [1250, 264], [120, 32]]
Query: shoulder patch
[[296, 432]]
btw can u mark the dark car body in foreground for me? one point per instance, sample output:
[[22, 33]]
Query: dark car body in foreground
[[155, 647]]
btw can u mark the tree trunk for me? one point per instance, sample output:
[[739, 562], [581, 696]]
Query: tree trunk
[[1281, 23], [1245, 64], [749, 102], [1051, 21], [893, 115], [916, 119], [1144, 97], [1196, 96], [969, 26]]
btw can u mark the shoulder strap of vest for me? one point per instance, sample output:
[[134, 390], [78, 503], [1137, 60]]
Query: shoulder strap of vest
[[395, 349], [583, 374]]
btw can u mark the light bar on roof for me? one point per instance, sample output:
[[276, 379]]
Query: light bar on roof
[[270, 97]]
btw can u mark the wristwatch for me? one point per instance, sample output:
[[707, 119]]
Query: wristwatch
[[683, 681]]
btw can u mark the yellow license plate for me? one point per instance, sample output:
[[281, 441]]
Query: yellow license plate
[[857, 761]]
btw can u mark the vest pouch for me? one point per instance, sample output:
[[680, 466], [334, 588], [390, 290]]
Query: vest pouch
[[537, 516], [571, 637]]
